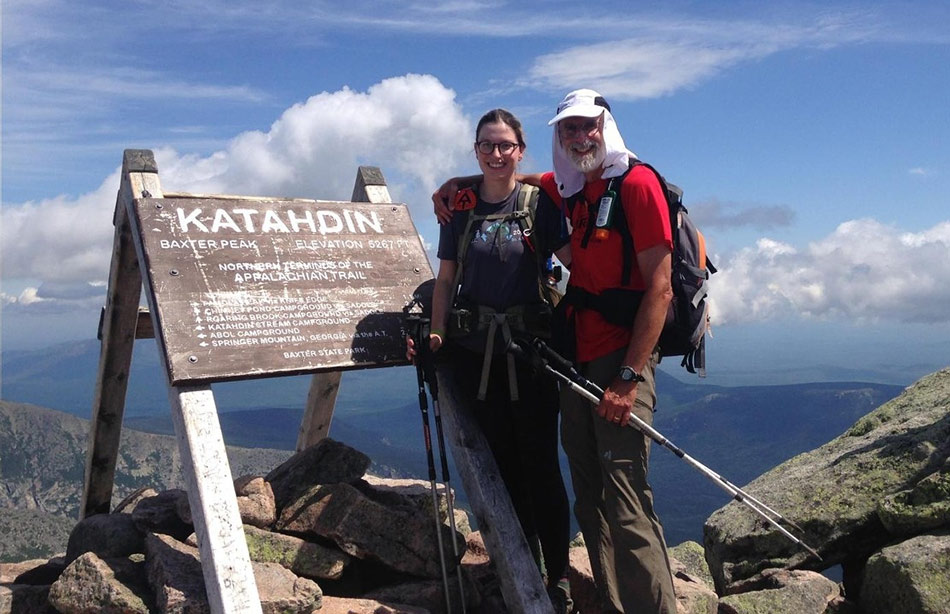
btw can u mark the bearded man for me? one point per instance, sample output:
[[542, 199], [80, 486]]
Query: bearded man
[[598, 186]]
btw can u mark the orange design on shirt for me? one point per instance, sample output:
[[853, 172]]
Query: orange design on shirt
[[465, 200]]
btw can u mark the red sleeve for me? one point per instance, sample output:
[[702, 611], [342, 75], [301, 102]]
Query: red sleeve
[[549, 185], [646, 211]]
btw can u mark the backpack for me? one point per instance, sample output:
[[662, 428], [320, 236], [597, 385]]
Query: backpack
[[687, 319], [524, 213], [533, 319]]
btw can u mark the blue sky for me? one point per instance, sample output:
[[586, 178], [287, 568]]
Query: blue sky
[[810, 139]]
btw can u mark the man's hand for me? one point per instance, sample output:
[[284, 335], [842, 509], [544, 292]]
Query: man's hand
[[443, 199], [616, 406]]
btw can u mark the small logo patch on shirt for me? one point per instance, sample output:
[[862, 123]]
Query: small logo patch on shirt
[[465, 200]]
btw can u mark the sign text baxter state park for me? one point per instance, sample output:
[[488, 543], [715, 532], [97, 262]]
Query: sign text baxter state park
[[246, 288]]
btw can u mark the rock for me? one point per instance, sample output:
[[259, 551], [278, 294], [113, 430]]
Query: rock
[[326, 462], [924, 507], [912, 577], [125, 506], [108, 535], [834, 492], [428, 595], [91, 584], [159, 514], [301, 557], [255, 500], [25, 599], [583, 590], [364, 529], [38, 572], [782, 590], [174, 573], [342, 605], [689, 558], [282, 592], [396, 492], [10, 571], [694, 597], [475, 551], [694, 592]]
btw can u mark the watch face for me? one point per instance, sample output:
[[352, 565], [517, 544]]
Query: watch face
[[628, 374]]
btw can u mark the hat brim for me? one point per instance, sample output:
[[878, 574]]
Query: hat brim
[[580, 110]]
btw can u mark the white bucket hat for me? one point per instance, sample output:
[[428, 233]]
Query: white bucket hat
[[587, 103]]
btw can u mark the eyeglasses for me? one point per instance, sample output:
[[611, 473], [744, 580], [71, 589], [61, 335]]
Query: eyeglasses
[[504, 148], [568, 129]]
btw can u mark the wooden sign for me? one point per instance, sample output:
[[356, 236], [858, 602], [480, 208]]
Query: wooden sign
[[247, 288]]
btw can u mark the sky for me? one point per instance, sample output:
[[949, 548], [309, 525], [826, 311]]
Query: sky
[[811, 141]]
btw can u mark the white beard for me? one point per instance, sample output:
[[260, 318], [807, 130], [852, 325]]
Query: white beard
[[590, 160]]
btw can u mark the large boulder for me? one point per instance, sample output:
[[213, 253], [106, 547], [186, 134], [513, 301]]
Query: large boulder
[[304, 558], [111, 586], [912, 577], [25, 598], [108, 535], [343, 605], [781, 590], [835, 492], [921, 508], [160, 514], [175, 575], [326, 462], [401, 538]]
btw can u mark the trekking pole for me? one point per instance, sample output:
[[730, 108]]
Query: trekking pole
[[416, 325], [593, 393], [567, 367], [428, 369]]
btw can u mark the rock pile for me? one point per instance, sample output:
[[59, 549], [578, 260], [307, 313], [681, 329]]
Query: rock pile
[[325, 537]]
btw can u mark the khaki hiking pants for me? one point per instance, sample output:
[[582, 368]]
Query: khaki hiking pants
[[613, 501]]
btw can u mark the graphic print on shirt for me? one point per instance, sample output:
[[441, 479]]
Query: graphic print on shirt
[[498, 235]]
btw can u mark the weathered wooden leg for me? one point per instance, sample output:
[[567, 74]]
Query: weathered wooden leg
[[319, 411], [369, 187], [118, 334], [225, 563]]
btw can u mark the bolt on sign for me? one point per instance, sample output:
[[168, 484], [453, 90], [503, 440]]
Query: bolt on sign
[[247, 288]]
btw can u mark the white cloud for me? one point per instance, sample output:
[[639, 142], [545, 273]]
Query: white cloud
[[411, 127], [653, 57], [919, 171], [864, 270]]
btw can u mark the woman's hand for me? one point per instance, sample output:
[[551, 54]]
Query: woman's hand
[[435, 342]]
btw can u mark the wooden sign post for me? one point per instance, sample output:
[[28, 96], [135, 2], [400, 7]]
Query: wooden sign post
[[241, 287]]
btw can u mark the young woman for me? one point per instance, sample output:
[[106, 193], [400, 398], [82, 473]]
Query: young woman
[[516, 408]]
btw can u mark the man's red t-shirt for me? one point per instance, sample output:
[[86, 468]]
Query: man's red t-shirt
[[599, 266]]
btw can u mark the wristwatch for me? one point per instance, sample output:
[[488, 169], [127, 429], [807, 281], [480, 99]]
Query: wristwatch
[[629, 374]]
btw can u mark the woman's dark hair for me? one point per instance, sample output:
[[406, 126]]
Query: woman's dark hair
[[501, 116]]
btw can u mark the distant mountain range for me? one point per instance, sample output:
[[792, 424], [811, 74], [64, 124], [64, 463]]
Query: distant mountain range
[[739, 432]]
